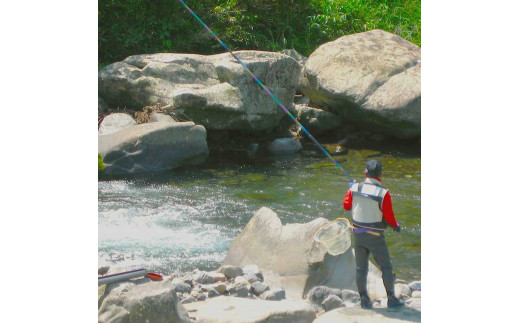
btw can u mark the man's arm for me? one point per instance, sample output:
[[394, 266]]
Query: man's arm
[[388, 211]]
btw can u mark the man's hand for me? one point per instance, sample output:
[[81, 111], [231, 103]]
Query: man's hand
[[397, 228]]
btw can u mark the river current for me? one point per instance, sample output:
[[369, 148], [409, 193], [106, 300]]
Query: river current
[[187, 218]]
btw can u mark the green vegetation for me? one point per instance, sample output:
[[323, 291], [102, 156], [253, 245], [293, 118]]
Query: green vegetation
[[129, 27], [101, 166]]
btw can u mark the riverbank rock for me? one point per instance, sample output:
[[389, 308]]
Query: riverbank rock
[[371, 78], [153, 147], [376, 315], [214, 91], [317, 121], [290, 259], [115, 122], [140, 301], [232, 309]]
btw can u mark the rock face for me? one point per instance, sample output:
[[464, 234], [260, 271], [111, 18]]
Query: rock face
[[372, 78], [290, 259], [233, 309], [316, 120], [152, 147], [214, 91], [133, 302], [115, 122]]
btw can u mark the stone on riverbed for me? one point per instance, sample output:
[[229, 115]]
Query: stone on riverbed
[[153, 147], [285, 146]]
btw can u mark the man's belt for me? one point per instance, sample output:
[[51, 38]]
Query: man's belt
[[366, 230]]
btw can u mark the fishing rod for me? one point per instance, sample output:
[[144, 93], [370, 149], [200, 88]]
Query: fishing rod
[[266, 89]]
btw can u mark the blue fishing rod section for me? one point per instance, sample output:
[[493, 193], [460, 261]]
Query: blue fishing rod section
[[266, 89]]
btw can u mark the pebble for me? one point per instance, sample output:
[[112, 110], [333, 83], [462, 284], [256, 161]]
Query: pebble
[[231, 271]]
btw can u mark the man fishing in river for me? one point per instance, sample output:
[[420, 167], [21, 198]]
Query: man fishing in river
[[372, 212]]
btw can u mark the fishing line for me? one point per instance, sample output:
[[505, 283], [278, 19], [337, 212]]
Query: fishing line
[[268, 92]]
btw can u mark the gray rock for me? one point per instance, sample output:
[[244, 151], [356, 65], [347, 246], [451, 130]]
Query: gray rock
[[148, 301], [359, 315], [237, 309], [258, 288], [231, 271], [115, 122], [402, 289], [102, 105], [288, 257], [416, 294], [319, 293], [414, 303], [350, 296], [285, 146], [317, 120], [370, 78], [212, 292], [214, 91], [273, 295], [153, 147], [189, 299], [201, 297], [294, 54], [202, 277], [252, 278], [415, 285], [161, 117], [241, 291], [331, 302], [253, 270], [182, 288]]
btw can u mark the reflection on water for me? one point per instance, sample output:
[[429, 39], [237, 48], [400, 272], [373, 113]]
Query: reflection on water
[[187, 219]]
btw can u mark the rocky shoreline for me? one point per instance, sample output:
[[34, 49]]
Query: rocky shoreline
[[301, 283]]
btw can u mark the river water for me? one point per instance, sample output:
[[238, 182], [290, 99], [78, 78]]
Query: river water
[[186, 219]]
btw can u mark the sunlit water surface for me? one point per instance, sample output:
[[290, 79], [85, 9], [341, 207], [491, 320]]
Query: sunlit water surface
[[188, 218]]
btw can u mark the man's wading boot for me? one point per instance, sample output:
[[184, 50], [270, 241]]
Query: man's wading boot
[[365, 302], [394, 301]]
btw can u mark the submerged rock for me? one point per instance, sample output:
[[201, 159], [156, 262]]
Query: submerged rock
[[285, 146]]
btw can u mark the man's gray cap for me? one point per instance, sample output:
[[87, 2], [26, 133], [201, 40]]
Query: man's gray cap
[[374, 168]]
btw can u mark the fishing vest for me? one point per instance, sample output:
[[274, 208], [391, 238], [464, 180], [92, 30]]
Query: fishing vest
[[367, 204]]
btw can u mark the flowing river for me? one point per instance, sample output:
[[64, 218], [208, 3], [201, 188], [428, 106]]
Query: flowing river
[[186, 219]]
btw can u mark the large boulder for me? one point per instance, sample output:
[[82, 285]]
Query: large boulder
[[223, 309], [153, 147], [371, 78], [289, 258], [141, 302], [215, 91]]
